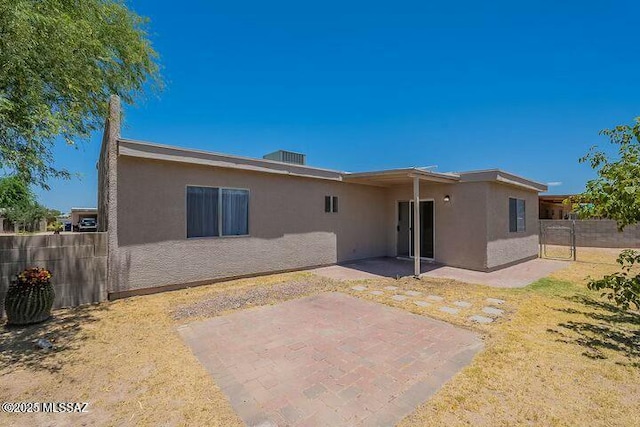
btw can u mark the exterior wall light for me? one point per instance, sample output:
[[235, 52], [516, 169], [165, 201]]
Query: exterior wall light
[[447, 199]]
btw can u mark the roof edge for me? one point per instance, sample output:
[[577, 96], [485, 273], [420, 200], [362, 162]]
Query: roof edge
[[501, 176]]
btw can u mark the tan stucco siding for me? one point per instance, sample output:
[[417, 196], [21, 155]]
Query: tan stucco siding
[[504, 247], [460, 224], [287, 224]]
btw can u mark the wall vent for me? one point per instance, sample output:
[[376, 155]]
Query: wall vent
[[287, 157]]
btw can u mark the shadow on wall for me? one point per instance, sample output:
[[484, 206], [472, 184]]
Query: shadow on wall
[[611, 329], [64, 330]]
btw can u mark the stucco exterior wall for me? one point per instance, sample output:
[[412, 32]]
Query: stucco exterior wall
[[460, 224], [504, 247], [287, 224]]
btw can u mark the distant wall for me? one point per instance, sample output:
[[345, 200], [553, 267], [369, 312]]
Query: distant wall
[[78, 263], [599, 233]]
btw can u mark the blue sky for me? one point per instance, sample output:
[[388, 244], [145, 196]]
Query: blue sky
[[523, 86]]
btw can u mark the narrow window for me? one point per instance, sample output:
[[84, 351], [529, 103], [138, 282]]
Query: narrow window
[[202, 212], [334, 208], [517, 218], [327, 203], [235, 212]]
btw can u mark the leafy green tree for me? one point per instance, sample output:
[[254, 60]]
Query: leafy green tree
[[52, 215], [59, 62], [615, 194], [14, 192]]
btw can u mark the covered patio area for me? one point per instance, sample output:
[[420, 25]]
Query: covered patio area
[[516, 276], [413, 242]]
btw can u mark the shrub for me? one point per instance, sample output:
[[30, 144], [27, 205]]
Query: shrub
[[624, 286]]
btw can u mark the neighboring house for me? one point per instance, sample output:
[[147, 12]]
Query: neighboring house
[[78, 214], [177, 216], [555, 206]]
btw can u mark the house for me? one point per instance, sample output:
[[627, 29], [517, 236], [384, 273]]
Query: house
[[555, 206], [177, 216], [78, 214]]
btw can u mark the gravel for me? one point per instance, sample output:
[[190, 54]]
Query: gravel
[[250, 297]]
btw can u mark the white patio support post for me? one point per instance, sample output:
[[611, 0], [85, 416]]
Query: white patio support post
[[416, 226]]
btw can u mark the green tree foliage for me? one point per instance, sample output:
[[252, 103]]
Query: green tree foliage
[[59, 62], [14, 192], [622, 287], [18, 203], [615, 194]]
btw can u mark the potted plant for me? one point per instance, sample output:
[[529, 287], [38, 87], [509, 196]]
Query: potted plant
[[56, 227], [30, 297]]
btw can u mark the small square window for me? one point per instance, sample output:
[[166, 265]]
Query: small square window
[[330, 204]]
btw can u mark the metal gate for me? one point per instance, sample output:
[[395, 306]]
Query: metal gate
[[558, 241]]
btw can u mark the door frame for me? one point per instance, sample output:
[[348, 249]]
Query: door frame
[[411, 201]]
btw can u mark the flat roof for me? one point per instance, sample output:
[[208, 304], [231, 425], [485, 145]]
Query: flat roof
[[388, 177], [385, 177]]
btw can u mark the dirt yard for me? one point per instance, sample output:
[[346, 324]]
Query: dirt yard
[[560, 354]]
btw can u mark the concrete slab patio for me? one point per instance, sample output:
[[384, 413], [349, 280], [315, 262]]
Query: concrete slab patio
[[328, 360], [516, 276]]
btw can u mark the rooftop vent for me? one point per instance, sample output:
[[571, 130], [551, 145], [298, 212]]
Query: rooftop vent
[[286, 157]]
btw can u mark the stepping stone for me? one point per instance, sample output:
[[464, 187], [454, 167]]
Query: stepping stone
[[391, 288], [413, 293], [463, 304], [449, 310], [435, 298], [359, 288], [421, 303], [495, 301], [376, 293], [493, 311], [398, 297], [480, 319]]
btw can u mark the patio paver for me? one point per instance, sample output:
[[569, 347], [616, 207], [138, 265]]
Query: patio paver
[[449, 310], [480, 319], [493, 311], [329, 359], [462, 304]]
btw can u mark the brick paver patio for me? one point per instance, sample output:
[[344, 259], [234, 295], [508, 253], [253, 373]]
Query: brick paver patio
[[329, 359]]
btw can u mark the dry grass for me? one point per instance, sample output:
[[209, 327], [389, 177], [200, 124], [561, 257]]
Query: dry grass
[[566, 357], [126, 359], [560, 356]]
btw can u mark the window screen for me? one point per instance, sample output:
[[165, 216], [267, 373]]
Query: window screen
[[235, 212], [202, 211]]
